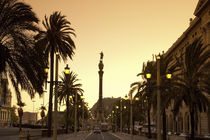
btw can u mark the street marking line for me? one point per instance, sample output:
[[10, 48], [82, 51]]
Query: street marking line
[[88, 135], [102, 135], [116, 136]]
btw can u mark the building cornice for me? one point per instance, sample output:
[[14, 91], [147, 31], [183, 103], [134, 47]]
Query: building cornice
[[202, 4], [193, 23]]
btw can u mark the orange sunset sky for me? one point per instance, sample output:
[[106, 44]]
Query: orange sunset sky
[[127, 31]]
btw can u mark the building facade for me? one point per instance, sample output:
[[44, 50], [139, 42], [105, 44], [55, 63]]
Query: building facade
[[29, 118], [199, 27], [5, 103]]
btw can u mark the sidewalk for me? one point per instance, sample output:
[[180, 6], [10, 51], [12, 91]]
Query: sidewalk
[[125, 136], [80, 136]]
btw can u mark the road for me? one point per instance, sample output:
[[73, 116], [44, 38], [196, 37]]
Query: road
[[9, 131], [102, 136]]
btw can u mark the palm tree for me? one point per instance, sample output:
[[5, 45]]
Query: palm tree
[[69, 87], [55, 38], [19, 59], [145, 90], [194, 65]]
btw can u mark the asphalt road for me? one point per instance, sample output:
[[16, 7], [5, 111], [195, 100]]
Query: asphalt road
[[9, 131], [102, 136]]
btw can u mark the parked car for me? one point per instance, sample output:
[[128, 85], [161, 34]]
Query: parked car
[[97, 130], [144, 129]]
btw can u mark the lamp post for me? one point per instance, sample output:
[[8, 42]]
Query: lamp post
[[126, 98], [112, 120], [158, 99], [116, 126], [67, 72], [131, 114], [56, 98], [121, 116], [82, 112], [148, 76], [168, 77], [75, 115]]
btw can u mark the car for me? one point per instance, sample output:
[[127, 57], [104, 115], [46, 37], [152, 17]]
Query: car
[[207, 136], [97, 130]]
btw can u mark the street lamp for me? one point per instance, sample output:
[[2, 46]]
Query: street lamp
[[113, 120], [158, 99], [131, 114], [126, 97], [83, 115], [116, 123], [56, 97], [67, 70], [168, 75], [148, 77], [121, 115], [75, 115]]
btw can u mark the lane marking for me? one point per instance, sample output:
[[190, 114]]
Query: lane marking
[[116, 136], [102, 135], [88, 135]]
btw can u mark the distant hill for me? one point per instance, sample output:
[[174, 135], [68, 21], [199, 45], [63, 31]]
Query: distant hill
[[108, 104]]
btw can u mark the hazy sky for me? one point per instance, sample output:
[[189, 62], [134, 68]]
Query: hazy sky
[[127, 31]]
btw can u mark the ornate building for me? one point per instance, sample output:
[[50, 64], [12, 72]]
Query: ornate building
[[199, 27], [5, 103]]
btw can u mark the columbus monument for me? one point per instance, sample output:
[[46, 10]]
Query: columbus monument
[[100, 111]]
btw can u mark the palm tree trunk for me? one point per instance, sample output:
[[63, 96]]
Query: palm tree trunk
[[192, 124], [67, 114], [164, 124], [51, 91]]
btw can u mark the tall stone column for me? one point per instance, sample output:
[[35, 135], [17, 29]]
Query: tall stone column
[[100, 113]]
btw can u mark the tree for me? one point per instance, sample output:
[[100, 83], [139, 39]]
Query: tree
[[194, 67], [147, 90], [144, 89], [55, 38], [19, 59], [14, 117], [69, 87], [20, 114]]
